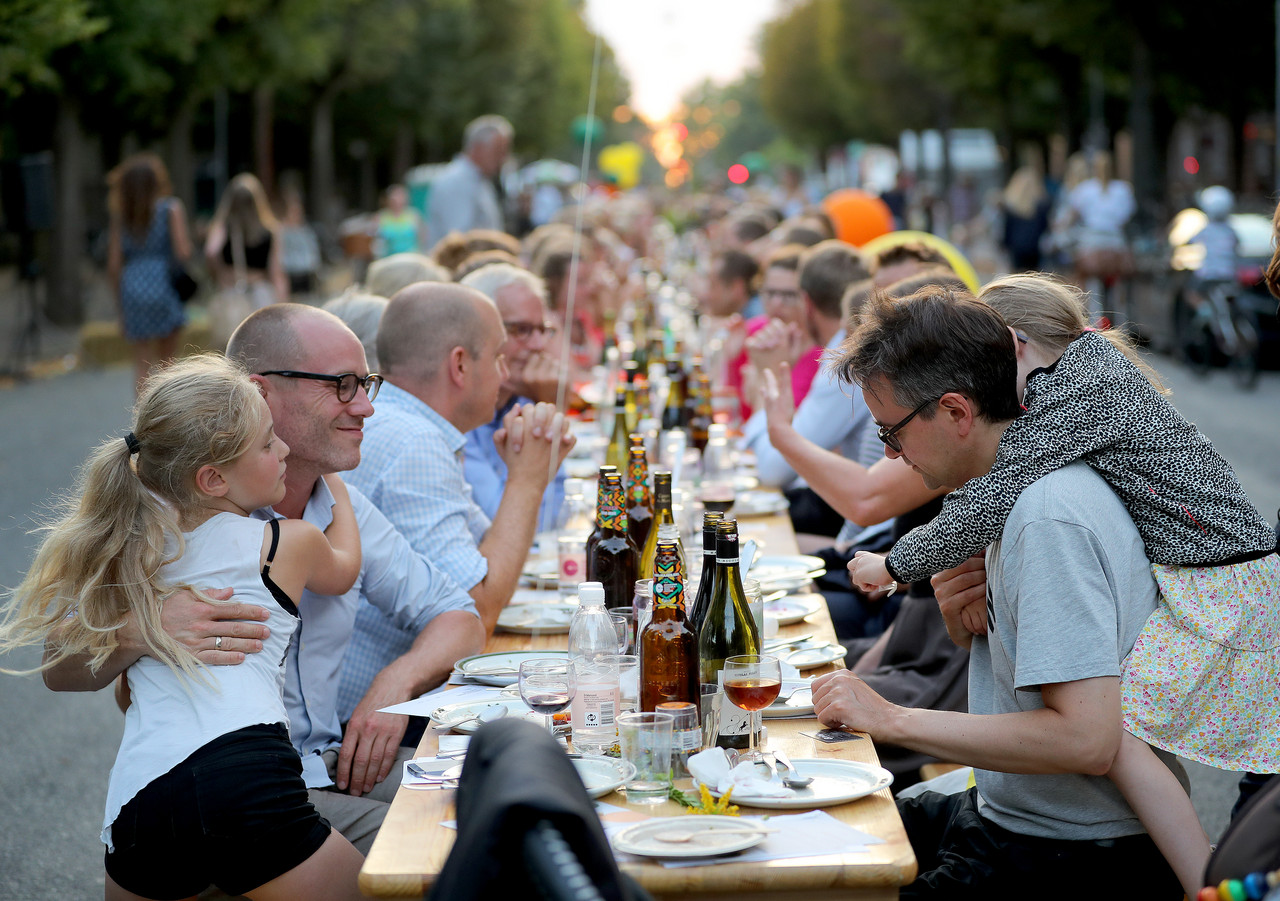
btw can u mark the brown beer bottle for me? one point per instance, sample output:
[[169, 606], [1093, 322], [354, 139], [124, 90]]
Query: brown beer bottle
[[669, 648], [639, 499], [594, 537], [673, 412], [614, 560]]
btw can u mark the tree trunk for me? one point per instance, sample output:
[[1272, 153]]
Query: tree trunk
[[182, 166], [65, 303], [264, 156], [402, 151], [323, 202], [1147, 169]]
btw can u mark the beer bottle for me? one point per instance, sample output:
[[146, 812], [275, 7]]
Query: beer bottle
[[669, 648], [673, 412], [727, 630], [616, 456], [690, 391], [662, 515], [594, 537], [631, 367], [702, 600], [639, 500], [614, 559], [700, 423]]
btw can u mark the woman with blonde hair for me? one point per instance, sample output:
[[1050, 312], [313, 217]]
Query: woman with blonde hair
[[1025, 203], [244, 247], [147, 240], [1191, 686], [206, 788]]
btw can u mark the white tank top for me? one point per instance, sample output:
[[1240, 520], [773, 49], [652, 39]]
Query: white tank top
[[167, 719]]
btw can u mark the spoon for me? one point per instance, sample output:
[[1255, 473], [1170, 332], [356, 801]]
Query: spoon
[[679, 836], [487, 715], [793, 779]]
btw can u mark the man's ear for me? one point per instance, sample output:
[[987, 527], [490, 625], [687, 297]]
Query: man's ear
[[264, 386], [210, 481], [459, 365], [959, 411]]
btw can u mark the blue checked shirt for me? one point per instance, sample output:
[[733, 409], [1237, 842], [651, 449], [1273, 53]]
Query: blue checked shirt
[[396, 585], [411, 469], [486, 472]]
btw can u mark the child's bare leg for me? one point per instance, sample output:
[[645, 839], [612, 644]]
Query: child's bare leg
[[1165, 810]]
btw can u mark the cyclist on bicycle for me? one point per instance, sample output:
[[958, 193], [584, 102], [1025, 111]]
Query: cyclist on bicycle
[[1219, 241]]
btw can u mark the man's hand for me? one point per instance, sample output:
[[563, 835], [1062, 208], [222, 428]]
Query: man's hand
[[534, 443], [841, 699], [868, 573], [962, 599], [540, 379], [371, 741], [776, 343], [777, 399], [199, 625]]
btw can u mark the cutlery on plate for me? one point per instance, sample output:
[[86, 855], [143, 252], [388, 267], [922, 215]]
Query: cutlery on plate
[[678, 836], [793, 779], [487, 715], [775, 643], [418, 771]]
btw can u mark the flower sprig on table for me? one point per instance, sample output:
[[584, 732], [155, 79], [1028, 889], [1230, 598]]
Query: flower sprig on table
[[705, 803]]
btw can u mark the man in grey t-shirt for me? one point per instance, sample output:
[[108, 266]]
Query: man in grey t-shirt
[[1069, 589]]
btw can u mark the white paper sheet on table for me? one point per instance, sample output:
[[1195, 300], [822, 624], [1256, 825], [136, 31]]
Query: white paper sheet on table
[[811, 834], [424, 705]]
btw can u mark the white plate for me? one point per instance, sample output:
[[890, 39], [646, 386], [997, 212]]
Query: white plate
[[455, 713], [799, 704], [759, 503], [536, 619], [789, 572], [500, 669], [834, 782], [602, 775], [639, 839], [806, 658], [792, 608], [541, 570]]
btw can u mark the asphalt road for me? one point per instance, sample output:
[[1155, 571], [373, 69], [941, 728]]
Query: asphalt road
[[56, 749]]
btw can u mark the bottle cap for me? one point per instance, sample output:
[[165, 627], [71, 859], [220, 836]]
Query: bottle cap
[[590, 594]]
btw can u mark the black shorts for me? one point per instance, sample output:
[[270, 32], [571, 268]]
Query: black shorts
[[234, 814], [962, 855]]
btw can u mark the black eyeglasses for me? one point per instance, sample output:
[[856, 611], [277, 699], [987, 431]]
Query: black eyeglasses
[[889, 434], [346, 384], [522, 331]]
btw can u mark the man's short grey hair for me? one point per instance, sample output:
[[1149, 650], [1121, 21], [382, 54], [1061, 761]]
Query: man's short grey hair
[[268, 339], [491, 279], [423, 323], [389, 274], [361, 313], [481, 131]]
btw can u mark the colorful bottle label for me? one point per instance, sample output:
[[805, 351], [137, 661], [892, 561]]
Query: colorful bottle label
[[612, 512], [668, 592]]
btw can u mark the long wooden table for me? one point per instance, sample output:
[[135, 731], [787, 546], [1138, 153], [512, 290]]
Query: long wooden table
[[412, 846]]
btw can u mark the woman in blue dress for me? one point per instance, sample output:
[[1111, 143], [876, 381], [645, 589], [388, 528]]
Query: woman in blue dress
[[148, 237]]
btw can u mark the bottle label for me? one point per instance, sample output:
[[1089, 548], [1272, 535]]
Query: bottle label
[[733, 719], [612, 513], [668, 592], [595, 706], [734, 559]]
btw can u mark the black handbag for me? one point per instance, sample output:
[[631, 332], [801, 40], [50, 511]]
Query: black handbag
[[183, 282]]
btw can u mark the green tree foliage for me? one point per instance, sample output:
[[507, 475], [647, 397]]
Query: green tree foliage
[[30, 32]]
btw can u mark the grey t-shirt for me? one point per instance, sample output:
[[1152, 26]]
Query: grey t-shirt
[[1068, 590]]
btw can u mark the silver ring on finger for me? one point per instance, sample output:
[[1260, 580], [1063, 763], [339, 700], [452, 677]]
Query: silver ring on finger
[[217, 643]]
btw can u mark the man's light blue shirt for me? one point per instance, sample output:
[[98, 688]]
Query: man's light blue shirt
[[397, 584], [486, 472], [411, 469]]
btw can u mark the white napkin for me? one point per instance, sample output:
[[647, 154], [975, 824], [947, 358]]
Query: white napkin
[[711, 768]]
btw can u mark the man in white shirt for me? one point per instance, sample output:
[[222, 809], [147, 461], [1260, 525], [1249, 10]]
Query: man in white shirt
[[463, 196]]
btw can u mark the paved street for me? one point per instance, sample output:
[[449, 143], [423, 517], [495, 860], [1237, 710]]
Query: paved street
[[58, 749]]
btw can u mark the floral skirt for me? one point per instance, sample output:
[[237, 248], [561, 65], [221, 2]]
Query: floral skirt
[[1203, 679]]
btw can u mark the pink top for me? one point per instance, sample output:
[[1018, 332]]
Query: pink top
[[801, 374]]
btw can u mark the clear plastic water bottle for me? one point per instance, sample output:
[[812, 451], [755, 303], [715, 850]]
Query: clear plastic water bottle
[[592, 640], [573, 528]]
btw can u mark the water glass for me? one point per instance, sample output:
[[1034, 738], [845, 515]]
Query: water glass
[[646, 744], [709, 704], [641, 608], [624, 628], [755, 603], [628, 666], [686, 736]]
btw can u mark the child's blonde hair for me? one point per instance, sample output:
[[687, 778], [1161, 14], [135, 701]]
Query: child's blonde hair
[[101, 558], [1052, 313]]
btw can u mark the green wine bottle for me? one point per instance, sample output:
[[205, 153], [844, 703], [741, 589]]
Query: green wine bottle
[[662, 515], [727, 630]]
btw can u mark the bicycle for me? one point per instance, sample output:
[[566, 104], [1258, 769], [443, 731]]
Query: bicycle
[[1218, 328]]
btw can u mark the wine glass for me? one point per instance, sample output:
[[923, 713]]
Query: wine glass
[[752, 682], [548, 685]]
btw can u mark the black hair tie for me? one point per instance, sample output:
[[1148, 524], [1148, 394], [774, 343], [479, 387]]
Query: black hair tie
[[131, 442]]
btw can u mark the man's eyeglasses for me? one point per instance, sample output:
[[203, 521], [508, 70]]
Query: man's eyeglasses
[[522, 331], [780, 296], [346, 384], [889, 434]]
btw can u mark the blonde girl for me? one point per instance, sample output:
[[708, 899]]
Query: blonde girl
[[206, 788], [244, 246], [1203, 679]]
